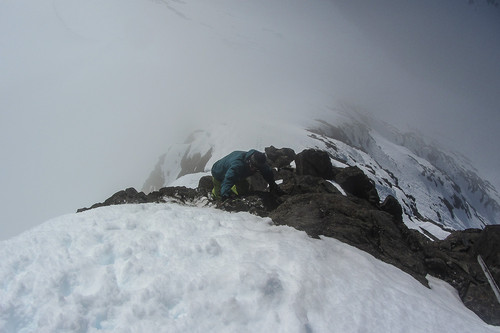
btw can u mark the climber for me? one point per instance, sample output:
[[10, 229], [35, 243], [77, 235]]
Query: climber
[[230, 172]]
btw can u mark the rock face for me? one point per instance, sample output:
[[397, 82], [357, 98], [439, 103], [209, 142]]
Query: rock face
[[130, 195], [314, 163], [354, 181], [314, 204], [488, 246], [280, 157]]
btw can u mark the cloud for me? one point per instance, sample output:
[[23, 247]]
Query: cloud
[[93, 92]]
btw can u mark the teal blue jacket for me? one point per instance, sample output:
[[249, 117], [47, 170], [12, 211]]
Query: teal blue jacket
[[234, 167]]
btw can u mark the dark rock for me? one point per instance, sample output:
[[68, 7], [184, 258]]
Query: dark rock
[[484, 304], [258, 203], [280, 158], [393, 207], [205, 184], [131, 196], [488, 246], [179, 193], [355, 182], [295, 184], [437, 266], [462, 270], [314, 163]]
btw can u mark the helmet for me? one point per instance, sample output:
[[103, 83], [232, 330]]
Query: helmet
[[258, 159]]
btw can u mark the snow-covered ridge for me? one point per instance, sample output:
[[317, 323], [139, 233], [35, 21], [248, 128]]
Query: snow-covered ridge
[[437, 190], [173, 268]]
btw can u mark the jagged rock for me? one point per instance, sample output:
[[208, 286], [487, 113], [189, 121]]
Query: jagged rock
[[259, 203], [488, 246], [294, 184], [280, 158], [131, 196], [179, 193], [355, 182], [454, 260], [314, 163], [205, 184], [393, 207]]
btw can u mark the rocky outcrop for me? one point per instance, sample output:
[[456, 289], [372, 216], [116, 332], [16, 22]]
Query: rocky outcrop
[[313, 203], [280, 158], [455, 260], [314, 163], [131, 196], [354, 181]]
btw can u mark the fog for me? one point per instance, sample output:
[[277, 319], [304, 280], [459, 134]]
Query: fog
[[92, 92]]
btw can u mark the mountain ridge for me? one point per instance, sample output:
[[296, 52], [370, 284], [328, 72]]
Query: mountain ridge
[[434, 187], [314, 202]]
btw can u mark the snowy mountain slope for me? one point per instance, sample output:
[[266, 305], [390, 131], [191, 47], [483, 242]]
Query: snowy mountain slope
[[172, 268], [438, 192], [434, 186]]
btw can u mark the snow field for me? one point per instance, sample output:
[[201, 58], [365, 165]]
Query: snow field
[[172, 268]]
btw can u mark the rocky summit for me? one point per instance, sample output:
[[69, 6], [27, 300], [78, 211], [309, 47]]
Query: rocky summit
[[343, 203]]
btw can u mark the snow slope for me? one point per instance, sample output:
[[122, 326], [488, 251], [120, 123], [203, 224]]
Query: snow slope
[[172, 268], [432, 183]]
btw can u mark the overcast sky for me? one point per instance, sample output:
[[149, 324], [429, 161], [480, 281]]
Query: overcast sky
[[92, 92]]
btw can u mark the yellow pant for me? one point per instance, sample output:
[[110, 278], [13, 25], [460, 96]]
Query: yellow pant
[[241, 187]]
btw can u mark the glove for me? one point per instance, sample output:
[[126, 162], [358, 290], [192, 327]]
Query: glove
[[227, 197]]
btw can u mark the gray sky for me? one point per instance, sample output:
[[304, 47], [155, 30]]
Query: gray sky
[[92, 92]]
